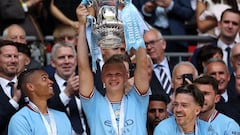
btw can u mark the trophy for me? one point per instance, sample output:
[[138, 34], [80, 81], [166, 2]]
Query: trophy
[[108, 26]]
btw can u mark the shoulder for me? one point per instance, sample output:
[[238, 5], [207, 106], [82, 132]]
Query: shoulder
[[227, 120], [165, 126]]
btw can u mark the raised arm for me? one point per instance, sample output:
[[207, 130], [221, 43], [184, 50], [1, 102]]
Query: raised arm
[[86, 84], [61, 17], [141, 78], [207, 24]]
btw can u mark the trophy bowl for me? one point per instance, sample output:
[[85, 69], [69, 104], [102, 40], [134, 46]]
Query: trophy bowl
[[108, 27]]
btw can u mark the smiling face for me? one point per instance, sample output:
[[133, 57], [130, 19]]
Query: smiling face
[[40, 84], [64, 61], [219, 71], [8, 61], [185, 110], [114, 76]]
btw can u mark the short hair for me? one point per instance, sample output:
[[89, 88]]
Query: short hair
[[62, 44], [205, 53], [64, 30], [7, 42], [24, 48], [232, 10], [24, 77], [192, 90], [187, 63], [6, 30], [208, 80], [212, 60], [158, 97], [115, 59]]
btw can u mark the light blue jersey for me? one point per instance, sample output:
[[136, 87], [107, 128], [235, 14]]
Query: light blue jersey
[[223, 125], [28, 122], [170, 127], [99, 119]]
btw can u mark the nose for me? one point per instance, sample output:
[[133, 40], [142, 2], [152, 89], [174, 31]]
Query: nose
[[66, 59], [177, 108]]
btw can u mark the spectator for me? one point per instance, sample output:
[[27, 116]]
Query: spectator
[[208, 15], [156, 46], [229, 27], [23, 13], [132, 106], [11, 99], [218, 69], [62, 34], [169, 16], [187, 106], [36, 117], [66, 86], [209, 87], [234, 56], [66, 34], [157, 111], [17, 34], [179, 70], [205, 53]]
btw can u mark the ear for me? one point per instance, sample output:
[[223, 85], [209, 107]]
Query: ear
[[217, 98], [163, 44], [30, 87], [52, 63], [198, 110], [27, 61]]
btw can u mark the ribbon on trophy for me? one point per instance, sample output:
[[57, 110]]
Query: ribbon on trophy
[[94, 49], [134, 26]]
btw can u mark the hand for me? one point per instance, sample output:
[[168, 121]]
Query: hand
[[72, 85], [16, 93], [149, 6], [82, 14], [74, 24]]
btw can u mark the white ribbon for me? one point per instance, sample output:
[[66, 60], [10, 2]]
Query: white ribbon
[[113, 117], [50, 127]]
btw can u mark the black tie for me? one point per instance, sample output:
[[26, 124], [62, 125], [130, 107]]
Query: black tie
[[228, 49], [11, 84], [75, 116]]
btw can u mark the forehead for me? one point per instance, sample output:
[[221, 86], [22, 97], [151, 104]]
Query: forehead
[[150, 35], [216, 66], [8, 49], [112, 68], [184, 98], [156, 103], [17, 29], [184, 69], [231, 16], [64, 50], [236, 49], [205, 87]]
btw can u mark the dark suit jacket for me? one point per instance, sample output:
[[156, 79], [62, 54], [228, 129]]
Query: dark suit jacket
[[11, 12], [229, 108], [6, 111], [156, 86], [56, 103], [181, 12]]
